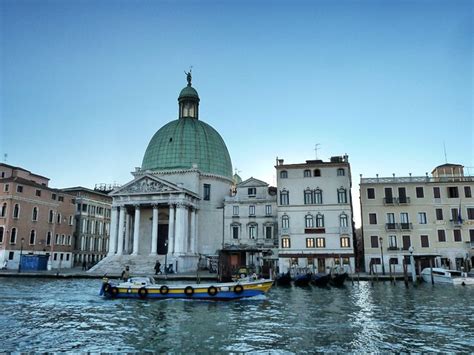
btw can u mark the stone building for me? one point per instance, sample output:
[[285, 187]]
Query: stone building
[[250, 227], [34, 219], [92, 225], [172, 210], [434, 215], [315, 215]]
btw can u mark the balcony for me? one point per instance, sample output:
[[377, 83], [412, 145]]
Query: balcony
[[393, 248], [406, 226], [390, 226], [344, 230], [455, 223], [403, 200], [388, 201]]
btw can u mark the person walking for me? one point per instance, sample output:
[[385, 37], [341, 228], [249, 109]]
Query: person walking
[[157, 267]]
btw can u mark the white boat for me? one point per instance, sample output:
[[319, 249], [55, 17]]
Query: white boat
[[445, 276]]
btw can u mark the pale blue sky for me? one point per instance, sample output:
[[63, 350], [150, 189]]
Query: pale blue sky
[[85, 84]]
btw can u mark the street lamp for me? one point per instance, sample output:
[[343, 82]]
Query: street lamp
[[412, 263], [21, 253], [166, 258], [381, 254]]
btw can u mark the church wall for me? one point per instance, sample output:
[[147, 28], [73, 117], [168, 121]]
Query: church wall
[[188, 179], [145, 231]]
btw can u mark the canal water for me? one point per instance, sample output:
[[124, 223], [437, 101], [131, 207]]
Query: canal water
[[43, 315]]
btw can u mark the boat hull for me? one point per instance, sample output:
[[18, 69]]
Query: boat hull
[[448, 277], [217, 292]]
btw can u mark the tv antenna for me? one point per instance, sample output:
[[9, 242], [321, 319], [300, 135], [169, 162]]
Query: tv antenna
[[316, 148], [445, 155]]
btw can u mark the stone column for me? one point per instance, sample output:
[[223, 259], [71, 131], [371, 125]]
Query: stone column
[[186, 230], [136, 230], [113, 231], [154, 231], [127, 234], [180, 230], [193, 231], [171, 235], [121, 230]]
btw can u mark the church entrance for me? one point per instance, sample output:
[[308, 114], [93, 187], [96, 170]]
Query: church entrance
[[163, 242]]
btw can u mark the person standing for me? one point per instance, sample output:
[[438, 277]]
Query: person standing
[[157, 267], [125, 273]]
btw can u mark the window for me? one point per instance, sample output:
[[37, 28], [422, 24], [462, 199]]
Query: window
[[84, 207], [16, 211], [51, 216], [343, 220], [3, 211], [390, 220], [252, 231], [58, 218], [32, 237], [309, 242], [56, 239], [424, 241], [38, 193], [340, 172], [48, 238], [319, 220], [252, 210], [370, 193], [393, 261], [1, 235], [345, 242], [19, 189], [436, 192], [268, 210], [388, 195], [419, 192], [53, 196], [318, 196], [317, 172], [34, 216], [402, 195], [392, 242], [61, 198], [284, 198], [422, 217], [454, 214], [470, 213], [285, 221], [341, 195], [441, 235], [285, 242], [308, 221], [307, 173], [252, 191], [308, 197], [235, 210], [457, 235], [372, 218], [374, 241], [467, 191], [268, 232], [11, 255], [283, 174], [453, 192], [439, 214], [207, 192], [13, 236], [6, 187], [406, 242], [320, 243], [404, 219], [71, 220]]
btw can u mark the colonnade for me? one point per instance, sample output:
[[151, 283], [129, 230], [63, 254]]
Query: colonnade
[[182, 230]]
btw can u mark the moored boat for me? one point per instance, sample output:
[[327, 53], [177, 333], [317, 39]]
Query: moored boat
[[302, 280], [445, 276], [283, 279], [321, 279], [145, 288], [337, 280]]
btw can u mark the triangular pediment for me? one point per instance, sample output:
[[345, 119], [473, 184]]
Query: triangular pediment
[[252, 182], [147, 184]]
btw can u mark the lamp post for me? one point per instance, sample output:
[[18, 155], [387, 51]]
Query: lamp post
[[381, 254], [21, 253], [166, 258], [412, 263]]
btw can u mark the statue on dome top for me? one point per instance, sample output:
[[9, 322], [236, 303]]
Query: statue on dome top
[[188, 76]]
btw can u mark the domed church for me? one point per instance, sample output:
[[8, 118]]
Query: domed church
[[172, 211]]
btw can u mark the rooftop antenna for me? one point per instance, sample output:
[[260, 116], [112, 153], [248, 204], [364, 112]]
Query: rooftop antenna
[[445, 156], [316, 149], [236, 171], [5, 156]]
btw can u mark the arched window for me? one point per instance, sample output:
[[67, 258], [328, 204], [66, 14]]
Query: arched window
[[308, 221], [340, 172], [51, 216], [58, 219], [343, 220], [34, 216], [318, 196], [285, 221], [3, 212], [1, 235], [32, 237], [283, 174], [48, 238], [16, 211], [308, 197], [317, 172], [13, 236], [319, 220], [307, 173], [284, 197], [341, 195]]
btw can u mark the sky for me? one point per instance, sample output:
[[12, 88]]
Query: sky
[[85, 84]]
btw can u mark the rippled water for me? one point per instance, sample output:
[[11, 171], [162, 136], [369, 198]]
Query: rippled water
[[68, 315]]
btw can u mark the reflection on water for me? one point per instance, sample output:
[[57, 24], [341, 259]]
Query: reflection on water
[[68, 315]]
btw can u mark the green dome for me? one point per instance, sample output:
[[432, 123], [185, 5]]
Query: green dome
[[187, 141], [188, 91]]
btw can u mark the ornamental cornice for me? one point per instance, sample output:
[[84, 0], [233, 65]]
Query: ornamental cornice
[[182, 171]]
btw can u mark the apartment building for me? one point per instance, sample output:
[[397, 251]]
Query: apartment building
[[429, 216], [315, 215], [34, 219]]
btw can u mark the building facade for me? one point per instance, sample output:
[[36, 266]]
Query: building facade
[[431, 217], [92, 225], [250, 227], [34, 219], [315, 215]]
